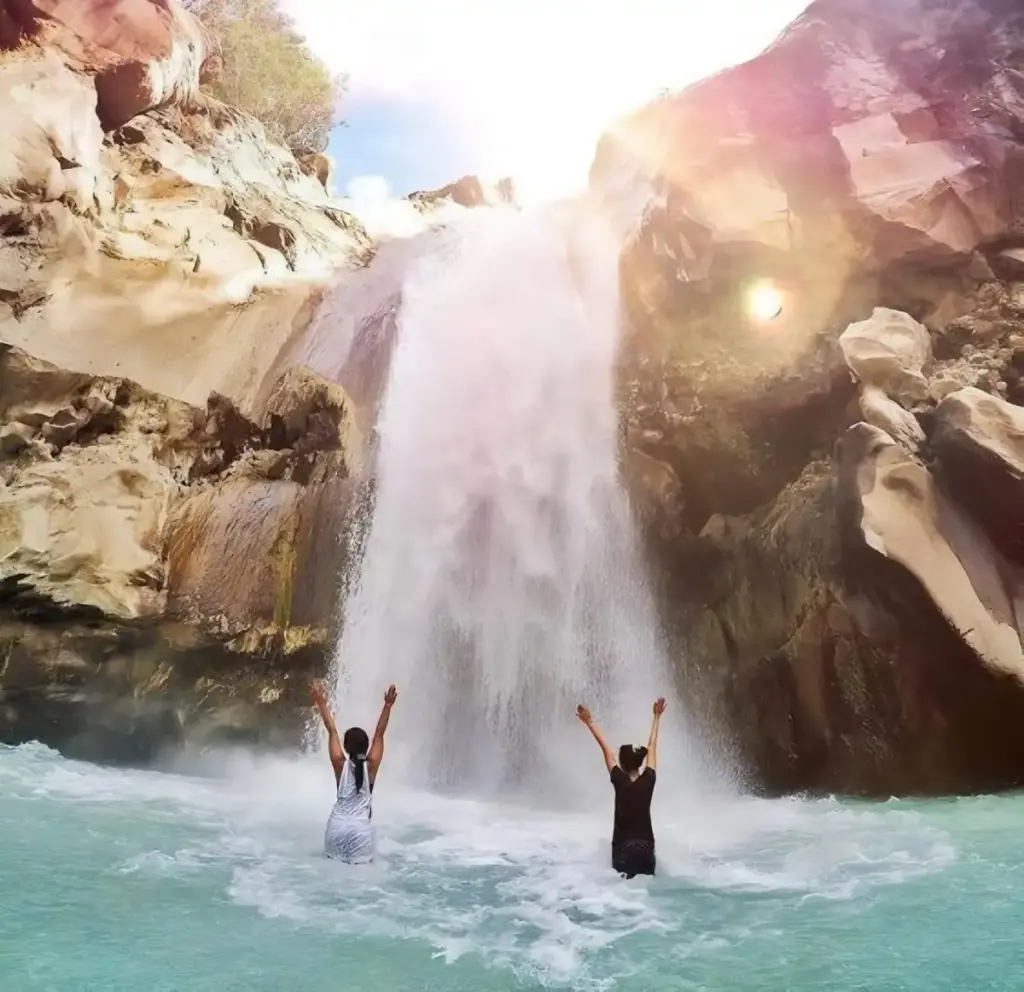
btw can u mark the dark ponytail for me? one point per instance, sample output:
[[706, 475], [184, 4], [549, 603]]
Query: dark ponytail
[[358, 765], [356, 745]]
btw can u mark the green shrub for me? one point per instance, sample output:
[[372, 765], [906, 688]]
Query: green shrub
[[267, 70]]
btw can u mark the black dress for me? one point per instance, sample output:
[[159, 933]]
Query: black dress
[[633, 835]]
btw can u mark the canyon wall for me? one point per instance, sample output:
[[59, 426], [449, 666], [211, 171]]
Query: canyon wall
[[833, 510], [172, 495]]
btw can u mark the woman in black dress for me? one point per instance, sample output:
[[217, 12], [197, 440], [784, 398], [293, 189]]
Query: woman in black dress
[[633, 777]]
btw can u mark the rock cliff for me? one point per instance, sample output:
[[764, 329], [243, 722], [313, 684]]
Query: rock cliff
[[820, 392], [171, 493]]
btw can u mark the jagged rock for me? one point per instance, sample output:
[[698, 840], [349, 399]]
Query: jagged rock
[[833, 637], [978, 442], [848, 168], [846, 146], [1009, 263], [845, 618], [319, 165], [888, 350], [905, 517], [142, 54]]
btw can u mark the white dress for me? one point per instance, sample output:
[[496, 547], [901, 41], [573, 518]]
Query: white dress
[[350, 835]]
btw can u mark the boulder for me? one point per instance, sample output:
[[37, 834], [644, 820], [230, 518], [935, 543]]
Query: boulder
[[468, 191], [855, 636], [888, 351]]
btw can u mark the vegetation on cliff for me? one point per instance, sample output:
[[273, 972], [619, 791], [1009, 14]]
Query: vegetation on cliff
[[266, 69]]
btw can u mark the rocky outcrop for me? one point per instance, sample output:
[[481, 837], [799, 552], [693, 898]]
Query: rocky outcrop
[[141, 54], [179, 248], [179, 456], [819, 247], [139, 534], [173, 490], [468, 191]]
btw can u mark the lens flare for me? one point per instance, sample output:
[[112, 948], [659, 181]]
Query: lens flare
[[764, 302]]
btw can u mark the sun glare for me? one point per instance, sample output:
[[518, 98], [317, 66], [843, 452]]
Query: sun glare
[[764, 302]]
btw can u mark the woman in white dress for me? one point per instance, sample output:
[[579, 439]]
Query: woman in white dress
[[350, 835]]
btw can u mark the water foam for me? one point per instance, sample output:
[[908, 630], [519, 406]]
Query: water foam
[[527, 891]]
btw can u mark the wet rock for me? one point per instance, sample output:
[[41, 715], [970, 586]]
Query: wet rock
[[143, 694]]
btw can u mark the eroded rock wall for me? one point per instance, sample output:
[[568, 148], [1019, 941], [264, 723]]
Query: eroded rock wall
[[829, 484], [171, 571]]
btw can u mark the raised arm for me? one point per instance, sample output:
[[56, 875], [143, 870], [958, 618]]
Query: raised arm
[[337, 756], [376, 755], [652, 741], [587, 720]]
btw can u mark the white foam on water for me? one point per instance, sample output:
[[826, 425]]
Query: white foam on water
[[526, 890]]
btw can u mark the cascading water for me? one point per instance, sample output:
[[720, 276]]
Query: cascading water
[[500, 584]]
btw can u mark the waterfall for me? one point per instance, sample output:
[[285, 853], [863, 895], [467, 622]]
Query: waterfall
[[500, 583]]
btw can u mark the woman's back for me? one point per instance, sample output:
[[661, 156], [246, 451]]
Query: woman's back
[[633, 806], [353, 801], [349, 836]]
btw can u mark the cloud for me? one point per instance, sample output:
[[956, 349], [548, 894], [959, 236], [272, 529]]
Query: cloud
[[368, 188], [532, 84]]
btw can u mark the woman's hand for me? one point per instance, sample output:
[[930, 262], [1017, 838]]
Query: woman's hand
[[659, 706], [390, 696], [584, 715], [318, 694]]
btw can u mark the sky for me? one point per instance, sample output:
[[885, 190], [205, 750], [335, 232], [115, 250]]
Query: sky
[[444, 88]]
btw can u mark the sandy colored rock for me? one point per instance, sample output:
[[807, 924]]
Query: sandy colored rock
[[880, 411], [979, 444], [906, 519], [889, 350], [183, 250], [86, 530]]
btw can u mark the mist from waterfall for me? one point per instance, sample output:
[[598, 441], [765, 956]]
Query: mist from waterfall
[[500, 582]]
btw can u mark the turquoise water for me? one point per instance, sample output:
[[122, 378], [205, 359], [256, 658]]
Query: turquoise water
[[125, 880]]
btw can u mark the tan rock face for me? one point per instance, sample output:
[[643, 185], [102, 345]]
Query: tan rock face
[[183, 250], [173, 489], [143, 53], [217, 537]]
